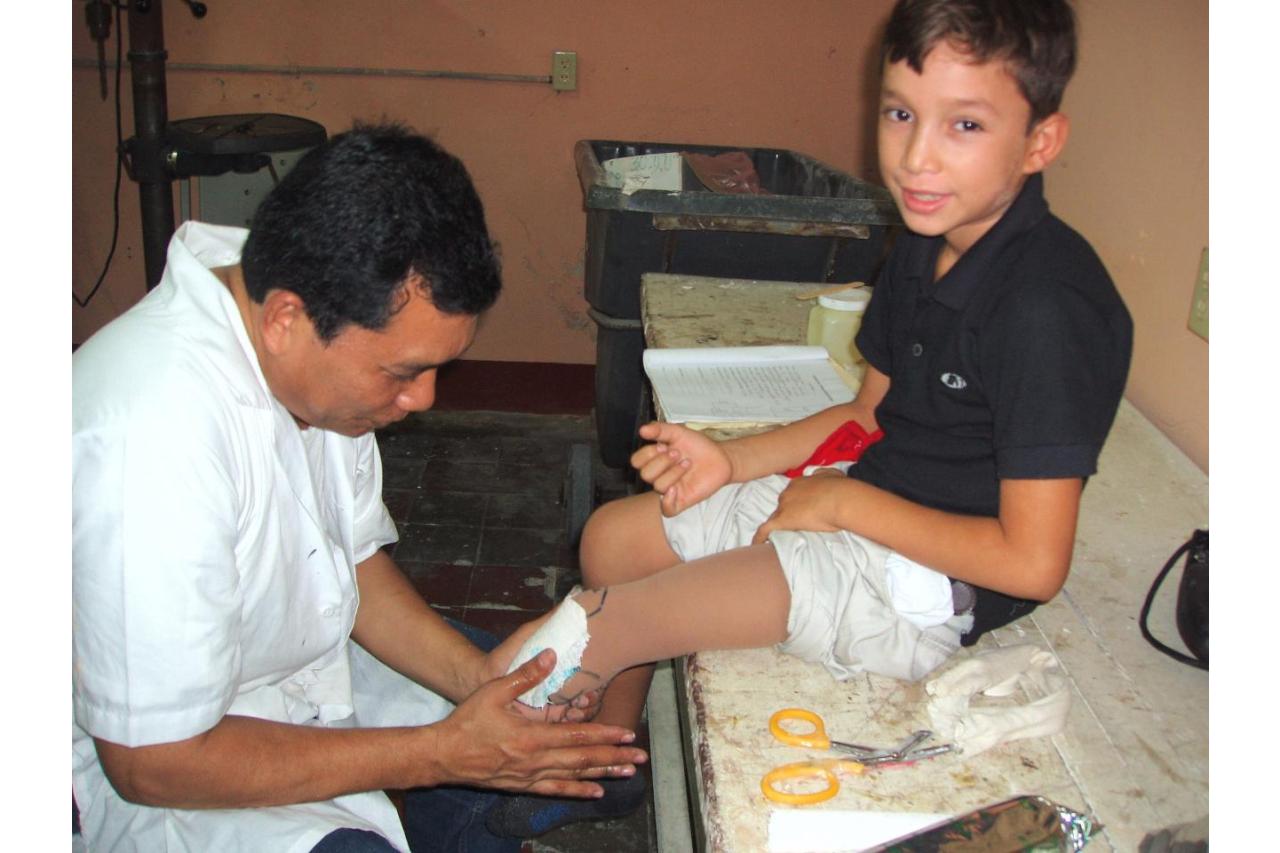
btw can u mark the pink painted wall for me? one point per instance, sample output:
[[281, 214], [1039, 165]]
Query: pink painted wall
[[1134, 179], [752, 72], [756, 73]]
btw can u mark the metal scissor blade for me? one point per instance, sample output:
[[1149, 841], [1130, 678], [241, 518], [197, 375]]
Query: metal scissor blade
[[910, 757], [872, 756], [905, 753], [912, 742], [929, 752], [859, 751], [872, 753]]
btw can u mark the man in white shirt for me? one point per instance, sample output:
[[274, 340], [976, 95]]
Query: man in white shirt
[[250, 668]]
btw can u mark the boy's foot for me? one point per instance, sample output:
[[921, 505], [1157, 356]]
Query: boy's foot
[[529, 816]]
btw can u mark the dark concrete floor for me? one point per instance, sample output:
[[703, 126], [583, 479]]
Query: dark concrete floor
[[479, 500]]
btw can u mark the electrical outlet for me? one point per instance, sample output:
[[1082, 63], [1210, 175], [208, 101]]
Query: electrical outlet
[[1199, 320], [564, 70]]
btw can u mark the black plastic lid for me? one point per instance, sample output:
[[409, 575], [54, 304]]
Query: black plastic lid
[[247, 133]]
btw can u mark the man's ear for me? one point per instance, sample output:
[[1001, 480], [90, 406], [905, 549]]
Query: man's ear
[[284, 318], [1045, 142]]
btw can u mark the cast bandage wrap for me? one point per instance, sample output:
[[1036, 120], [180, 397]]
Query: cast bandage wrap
[[997, 673], [566, 633]]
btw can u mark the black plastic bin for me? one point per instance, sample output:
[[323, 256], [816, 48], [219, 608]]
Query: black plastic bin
[[816, 224]]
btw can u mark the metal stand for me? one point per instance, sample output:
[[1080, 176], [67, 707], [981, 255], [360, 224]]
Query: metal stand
[[161, 151]]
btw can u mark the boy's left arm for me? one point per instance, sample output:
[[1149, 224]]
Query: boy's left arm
[[1025, 552]]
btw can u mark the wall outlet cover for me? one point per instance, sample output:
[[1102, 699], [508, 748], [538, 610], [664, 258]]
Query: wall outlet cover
[[564, 70]]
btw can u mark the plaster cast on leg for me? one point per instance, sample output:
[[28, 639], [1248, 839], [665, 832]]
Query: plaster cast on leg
[[565, 632], [734, 600]]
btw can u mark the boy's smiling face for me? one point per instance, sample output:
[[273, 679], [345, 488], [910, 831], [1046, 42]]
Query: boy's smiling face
[[954, 146]]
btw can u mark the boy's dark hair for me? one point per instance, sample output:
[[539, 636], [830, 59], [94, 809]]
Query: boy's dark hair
[[361, 213], [1036, 38]]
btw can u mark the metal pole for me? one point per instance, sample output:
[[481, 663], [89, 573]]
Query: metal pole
[[150, 117], [334, 71]]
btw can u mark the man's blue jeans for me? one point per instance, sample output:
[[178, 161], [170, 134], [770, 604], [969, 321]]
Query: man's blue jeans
[[448, 820]]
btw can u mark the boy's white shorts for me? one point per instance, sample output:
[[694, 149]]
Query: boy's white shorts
[[842, 612]]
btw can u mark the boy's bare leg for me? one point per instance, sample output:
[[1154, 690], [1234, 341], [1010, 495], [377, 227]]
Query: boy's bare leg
[[732, 600], [624, 541], [735, 599]]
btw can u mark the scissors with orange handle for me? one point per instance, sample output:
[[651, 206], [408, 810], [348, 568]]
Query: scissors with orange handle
[[825, 770], [815, 738]]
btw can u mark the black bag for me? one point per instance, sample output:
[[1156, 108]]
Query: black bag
[[1193, 601]]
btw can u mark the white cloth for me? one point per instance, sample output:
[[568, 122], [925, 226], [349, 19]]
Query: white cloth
[[999, 673], [919, 594], [837, 831], [843, 615], [213, 554]]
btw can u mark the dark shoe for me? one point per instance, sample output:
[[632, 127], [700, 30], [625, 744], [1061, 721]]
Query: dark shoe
[[529, 816]]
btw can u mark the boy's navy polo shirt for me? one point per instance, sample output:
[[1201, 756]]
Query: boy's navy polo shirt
[[1010, 366]]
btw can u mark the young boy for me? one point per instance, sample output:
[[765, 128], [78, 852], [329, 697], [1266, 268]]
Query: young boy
[[998, 350]]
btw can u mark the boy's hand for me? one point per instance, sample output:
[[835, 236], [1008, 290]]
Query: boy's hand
[[682, 465], [808, 503]]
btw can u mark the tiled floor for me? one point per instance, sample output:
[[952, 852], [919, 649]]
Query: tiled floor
[[478, 500]]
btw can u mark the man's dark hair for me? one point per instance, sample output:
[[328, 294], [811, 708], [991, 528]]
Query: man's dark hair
[[1035, 38], [358, 216]]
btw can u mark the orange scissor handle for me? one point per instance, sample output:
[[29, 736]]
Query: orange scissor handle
[[824, 771], [802, 770], [815, 739]]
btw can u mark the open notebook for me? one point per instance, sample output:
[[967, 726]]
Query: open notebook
[[713, 386]]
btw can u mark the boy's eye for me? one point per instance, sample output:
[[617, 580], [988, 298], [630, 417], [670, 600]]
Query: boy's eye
[[967, 126], [896, 114]]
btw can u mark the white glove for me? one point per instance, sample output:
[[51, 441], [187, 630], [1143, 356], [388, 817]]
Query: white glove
[[998, 672]]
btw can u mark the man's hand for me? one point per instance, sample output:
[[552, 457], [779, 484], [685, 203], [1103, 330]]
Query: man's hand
[[245, 762], [808, 503], [485, 742], [682, 465]]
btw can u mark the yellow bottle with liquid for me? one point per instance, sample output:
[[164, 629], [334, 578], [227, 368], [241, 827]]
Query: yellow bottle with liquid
[[834, 322]]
